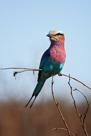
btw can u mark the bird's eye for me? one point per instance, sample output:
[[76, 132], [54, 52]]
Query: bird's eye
[[59, 34]]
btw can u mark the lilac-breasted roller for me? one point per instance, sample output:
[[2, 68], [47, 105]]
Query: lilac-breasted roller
[[52, 61]]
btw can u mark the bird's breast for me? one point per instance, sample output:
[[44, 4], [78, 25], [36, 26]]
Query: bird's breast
[[57, 54]]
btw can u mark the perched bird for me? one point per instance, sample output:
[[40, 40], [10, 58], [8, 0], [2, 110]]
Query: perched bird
[[52, 61]]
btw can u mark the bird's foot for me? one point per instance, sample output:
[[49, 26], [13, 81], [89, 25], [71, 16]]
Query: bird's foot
[[60, 74]]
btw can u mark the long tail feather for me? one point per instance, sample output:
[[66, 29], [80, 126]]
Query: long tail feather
[[28, 102], [32, 102], [36, 91]]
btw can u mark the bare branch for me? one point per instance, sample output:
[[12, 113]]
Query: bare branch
[[63, 129], [26, 69], [73, 98], [61, 74], [81, 117], [31, 69], [86, 112], [60, 112]]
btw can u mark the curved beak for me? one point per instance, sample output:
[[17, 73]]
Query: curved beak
[[49, 35]]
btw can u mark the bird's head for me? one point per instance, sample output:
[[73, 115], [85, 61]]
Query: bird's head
[[56, 36]]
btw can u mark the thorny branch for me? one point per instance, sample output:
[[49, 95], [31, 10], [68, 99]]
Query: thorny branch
[[82, 117]]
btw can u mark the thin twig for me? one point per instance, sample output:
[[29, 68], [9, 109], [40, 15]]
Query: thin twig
[[60, 112], [86, 112], [61, 74], [82, 118], [73, 98], [28, 69], [63, 129], [31, 69]]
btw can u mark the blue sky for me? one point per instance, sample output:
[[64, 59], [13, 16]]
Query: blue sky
[[23, 29]]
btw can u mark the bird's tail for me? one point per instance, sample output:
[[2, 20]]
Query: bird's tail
[[36, 91]]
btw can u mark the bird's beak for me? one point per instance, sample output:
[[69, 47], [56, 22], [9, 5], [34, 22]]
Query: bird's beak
[[49, 35]]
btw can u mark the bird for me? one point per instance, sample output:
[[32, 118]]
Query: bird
[[52, 61]]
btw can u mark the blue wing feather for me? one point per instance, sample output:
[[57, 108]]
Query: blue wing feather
[[44, 59]]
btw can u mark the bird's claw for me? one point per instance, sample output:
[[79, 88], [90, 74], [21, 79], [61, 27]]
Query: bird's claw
[[60, 74]]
